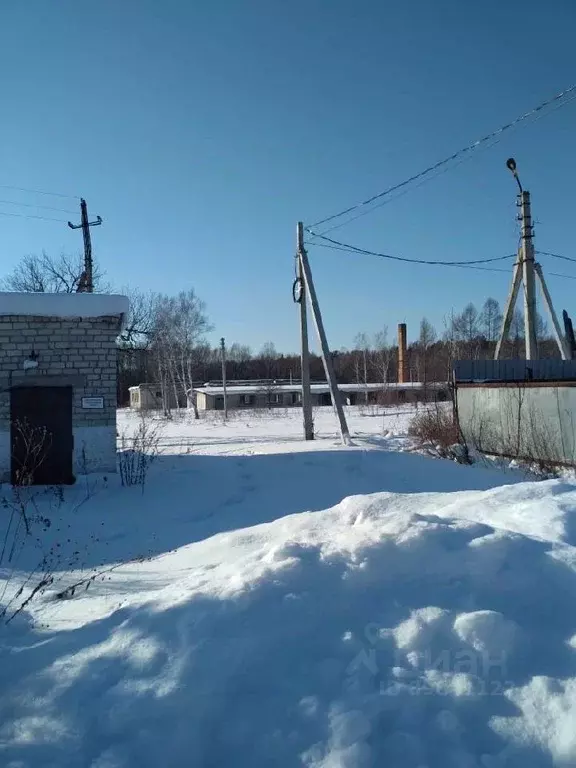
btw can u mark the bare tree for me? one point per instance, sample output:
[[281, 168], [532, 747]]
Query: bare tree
[[426, 339], [452, 340], [180, 323], [271, 392], [491, 319], [469, 323], [139, 326], [466, 328], [239, 355], [268, 354], [382, 355], [516, 332], [362, 344], [49, 274]]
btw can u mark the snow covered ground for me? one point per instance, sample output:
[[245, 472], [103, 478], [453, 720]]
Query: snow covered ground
[[297, 604]]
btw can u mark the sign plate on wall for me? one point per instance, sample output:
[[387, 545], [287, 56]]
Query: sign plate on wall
[[92, 402]]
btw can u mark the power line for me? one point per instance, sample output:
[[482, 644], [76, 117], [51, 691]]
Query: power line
[[38, 192], [31, 205], [430, 177], [339, 246], [388, 200], [555, 274], [460, 265], [507, 272], [556, 256], [30, 216], [483, 269], [464, 150]]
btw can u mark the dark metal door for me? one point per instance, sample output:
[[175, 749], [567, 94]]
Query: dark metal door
[[41, 435]]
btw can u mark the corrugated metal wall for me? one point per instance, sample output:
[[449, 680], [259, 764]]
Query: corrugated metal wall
[[514, 370], [529, 422]]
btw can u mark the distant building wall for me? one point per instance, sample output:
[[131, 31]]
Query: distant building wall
[[148, 397], [268, 399], [272, 397]]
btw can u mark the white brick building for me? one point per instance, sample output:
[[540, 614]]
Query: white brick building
[[58, 385]]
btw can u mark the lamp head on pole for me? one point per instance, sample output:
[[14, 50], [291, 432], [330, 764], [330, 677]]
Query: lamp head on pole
[[511, 165]]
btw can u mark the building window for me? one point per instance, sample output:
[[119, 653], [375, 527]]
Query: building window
[[135, 398], [296, 397], [158, 393], [247, 399], [275, 398], [402, 396]]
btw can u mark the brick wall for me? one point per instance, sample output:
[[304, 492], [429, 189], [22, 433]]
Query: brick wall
[[78, 351]]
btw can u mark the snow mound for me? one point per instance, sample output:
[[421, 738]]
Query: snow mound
[[390, 630]]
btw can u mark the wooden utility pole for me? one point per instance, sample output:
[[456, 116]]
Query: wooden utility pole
[[326, 356], [300, 298], [223, 353], [525, 271], [86, 284]]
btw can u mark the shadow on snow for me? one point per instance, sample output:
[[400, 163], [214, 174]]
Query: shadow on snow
[[189, 498], [261, 677]]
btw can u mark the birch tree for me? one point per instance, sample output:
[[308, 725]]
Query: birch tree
[[180, 324], [426, 338], [362, 344]]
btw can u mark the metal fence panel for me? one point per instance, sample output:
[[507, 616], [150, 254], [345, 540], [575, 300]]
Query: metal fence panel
[[514, 370]]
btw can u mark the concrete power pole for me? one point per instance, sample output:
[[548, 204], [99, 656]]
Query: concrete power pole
[[86, 283], [526, 271], [300, 298], [326, 356], [223, 352], [527, 247]]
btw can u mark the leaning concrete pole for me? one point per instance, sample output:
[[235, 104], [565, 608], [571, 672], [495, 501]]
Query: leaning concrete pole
[[305, 353], [326, 356]]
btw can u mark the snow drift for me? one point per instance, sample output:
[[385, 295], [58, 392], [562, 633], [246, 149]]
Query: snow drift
[[401, 630]]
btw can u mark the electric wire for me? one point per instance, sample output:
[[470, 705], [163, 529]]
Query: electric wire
[[30, 216], [337, 245], [39, 192], [435, 175], [560, 97], [507, 271], [43, 207], [405, 191], [556, 256], [460, 265]]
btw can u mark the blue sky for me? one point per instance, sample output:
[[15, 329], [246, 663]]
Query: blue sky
[[202, 131]]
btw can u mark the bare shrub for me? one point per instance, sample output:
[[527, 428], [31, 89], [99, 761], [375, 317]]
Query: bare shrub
[[35, 506], [437, 430], [33, 444], [374, 409], [138, 450]]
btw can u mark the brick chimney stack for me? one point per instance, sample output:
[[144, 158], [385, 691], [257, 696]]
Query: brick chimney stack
[[402, 355]]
